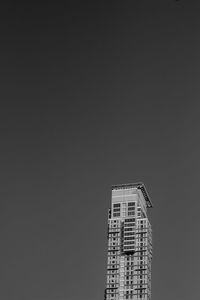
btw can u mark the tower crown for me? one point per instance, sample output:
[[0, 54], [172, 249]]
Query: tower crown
[[139, 186]]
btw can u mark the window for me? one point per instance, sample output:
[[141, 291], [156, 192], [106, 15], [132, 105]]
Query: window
[[116, 214], [130, 220], [128, 229], [131, 208], [129, 233], [116, 205], [131, 204], [131, 213]]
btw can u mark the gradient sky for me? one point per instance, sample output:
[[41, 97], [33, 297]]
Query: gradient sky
[[95, 93]]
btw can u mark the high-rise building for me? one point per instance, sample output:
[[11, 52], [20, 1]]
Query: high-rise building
[[129, 244]]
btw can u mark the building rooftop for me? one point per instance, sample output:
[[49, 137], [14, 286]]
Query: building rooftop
[[138, 185]]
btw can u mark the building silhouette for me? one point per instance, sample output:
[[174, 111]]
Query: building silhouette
[[129, 244]]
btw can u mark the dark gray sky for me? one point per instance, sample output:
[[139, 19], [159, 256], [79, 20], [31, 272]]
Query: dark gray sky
[[95, 93]]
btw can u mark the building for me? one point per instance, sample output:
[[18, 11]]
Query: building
[[129, 244]]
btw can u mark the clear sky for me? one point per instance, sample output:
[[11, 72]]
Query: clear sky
[[95, 93]]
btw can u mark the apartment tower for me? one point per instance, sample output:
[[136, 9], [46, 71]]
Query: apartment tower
[[129, 244]]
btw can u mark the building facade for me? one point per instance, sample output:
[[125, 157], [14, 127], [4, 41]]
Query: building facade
[[129, 244]]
